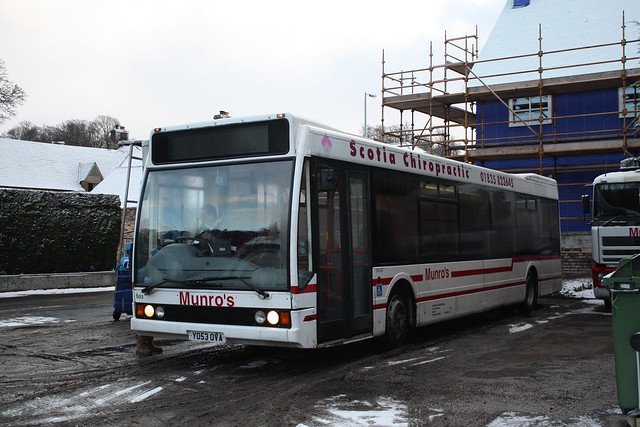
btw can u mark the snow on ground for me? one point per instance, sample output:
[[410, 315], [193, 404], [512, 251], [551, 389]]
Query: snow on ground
[[30, 321], [578, 288], [342, 411], [80, 405], [54, 291], [511, 419]]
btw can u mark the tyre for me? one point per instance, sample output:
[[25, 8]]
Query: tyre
[[116, 315], [397, 325], [531, 296]]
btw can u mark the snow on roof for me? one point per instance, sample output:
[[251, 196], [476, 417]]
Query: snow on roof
[[115, 183], [44, 166], [565, 24]]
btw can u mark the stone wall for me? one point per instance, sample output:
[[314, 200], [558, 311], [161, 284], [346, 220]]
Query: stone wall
[[576, 254]]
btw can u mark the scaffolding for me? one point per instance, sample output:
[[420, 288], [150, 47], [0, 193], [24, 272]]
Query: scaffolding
[[442, 101]]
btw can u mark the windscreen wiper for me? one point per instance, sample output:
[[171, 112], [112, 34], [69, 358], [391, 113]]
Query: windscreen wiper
[[204, 280], [618, 217], [150, 288], [262, 293]]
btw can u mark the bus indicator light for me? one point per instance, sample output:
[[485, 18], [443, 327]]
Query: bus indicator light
[[285, 318]]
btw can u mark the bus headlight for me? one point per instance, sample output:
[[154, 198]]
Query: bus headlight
[[273, 317], [259, 317], [149, 310], [159, 312]]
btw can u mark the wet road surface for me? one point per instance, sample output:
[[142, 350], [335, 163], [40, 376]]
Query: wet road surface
[[63, 360]]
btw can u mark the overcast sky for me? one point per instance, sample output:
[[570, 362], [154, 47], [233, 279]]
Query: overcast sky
[[152, 63]]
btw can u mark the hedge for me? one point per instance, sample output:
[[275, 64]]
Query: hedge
[[52, 232]]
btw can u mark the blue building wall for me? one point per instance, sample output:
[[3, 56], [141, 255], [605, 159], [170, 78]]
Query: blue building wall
[[492, 117], [572, 172]]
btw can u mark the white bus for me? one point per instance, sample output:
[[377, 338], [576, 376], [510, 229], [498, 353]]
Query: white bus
[[273, 230], [615, 229]]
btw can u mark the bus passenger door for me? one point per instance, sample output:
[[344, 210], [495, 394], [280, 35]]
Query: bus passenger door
[[342, 221]]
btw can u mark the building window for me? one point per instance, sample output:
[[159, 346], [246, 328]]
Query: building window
[[530, 110], [630, 101]]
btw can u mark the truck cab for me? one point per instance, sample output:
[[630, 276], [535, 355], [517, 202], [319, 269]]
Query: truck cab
[[615, 230]]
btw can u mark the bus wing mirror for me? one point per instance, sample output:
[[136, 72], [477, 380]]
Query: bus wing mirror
[[328, 179], [586, 204], [635, 341]]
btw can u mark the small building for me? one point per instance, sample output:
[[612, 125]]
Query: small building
[[57, 167]]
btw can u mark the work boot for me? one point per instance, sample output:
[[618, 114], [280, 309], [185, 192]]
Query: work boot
[[151, 346], [142, 347]]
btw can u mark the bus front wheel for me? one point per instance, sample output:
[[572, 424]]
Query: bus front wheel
[[397, 326]]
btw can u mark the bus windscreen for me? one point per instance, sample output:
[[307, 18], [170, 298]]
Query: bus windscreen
[[221, 142]]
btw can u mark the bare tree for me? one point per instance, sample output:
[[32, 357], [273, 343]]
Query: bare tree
[[103, 125], [393, 134], [96, 133], [402, 135], [75, 132], [25, 131], [11, 95]]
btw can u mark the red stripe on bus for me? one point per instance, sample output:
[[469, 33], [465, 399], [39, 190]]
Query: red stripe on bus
[[506, 269], [310, 288], [481, 271], [457, 294], [462, 273], [469, 291], [387, 280]]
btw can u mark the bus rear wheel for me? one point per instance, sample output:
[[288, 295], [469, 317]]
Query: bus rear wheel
[[397, 325], [531, 296]]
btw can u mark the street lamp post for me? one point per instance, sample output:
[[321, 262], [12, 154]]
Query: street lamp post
[[366, 129]]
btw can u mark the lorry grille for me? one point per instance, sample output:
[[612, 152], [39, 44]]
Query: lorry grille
[[616, 248]]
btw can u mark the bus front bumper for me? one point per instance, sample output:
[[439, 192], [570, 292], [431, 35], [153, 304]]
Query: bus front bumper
[[301, 336]]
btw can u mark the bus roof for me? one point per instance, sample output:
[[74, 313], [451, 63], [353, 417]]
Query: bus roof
[[296, 120], [320, 142]]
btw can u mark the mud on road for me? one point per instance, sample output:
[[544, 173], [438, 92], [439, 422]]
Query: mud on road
[[64, 361]]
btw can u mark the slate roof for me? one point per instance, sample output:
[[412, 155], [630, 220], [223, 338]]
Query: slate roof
[[57, 167], [116, 181], [564, 24]]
